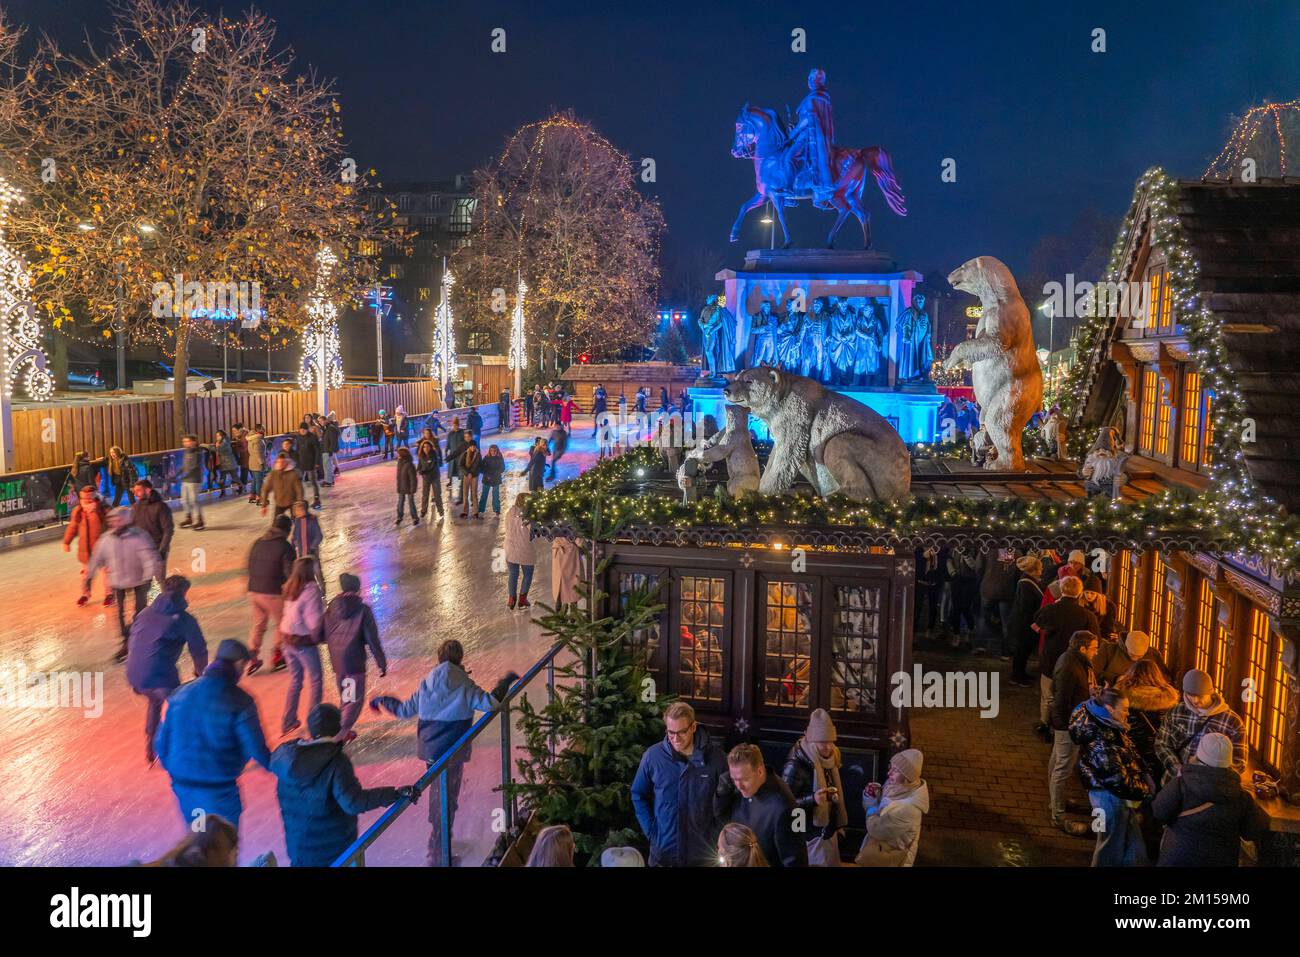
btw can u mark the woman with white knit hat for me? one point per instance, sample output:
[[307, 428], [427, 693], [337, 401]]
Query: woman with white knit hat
[[894, 813]]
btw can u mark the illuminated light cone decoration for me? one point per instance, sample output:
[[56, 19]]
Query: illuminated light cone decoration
[[443, 366], [25, 365], [518, 357], [322, 366]]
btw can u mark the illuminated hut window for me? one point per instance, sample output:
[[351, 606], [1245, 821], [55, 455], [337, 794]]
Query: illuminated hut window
[[1256, 686], [1153, 300], [1166, 302], [1205, 624], [1160, 611], [1147, 410], [648, 639], [703, 612], [1219, 659], [1207, 407], [1164, 417], [1190, 445], [787, 653], [1266, 713], [1124, 589], [855, 648]]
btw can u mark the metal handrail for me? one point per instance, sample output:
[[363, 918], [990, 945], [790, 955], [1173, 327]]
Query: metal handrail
[[355, 855]]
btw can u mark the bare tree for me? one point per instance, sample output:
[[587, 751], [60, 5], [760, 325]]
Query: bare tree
[[560, 208], [188, 151]]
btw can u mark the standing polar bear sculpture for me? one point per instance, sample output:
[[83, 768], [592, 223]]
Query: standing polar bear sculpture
[[1004, 366], [838, 444]]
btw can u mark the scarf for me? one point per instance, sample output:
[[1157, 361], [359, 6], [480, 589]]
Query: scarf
[[826, 774]]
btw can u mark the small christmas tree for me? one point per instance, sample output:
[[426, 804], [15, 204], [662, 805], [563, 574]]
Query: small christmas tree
[[606, 712]]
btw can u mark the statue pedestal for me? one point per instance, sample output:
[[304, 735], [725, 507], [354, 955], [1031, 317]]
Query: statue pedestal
[[915, 416]]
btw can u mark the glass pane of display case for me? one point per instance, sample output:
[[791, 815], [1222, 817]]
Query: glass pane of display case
[[649, 638], [855, 648], [702, 613], [787, 651]]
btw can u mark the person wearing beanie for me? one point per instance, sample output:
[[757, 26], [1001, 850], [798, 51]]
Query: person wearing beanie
[[621, 857], [1117, 657], [320, 796], [1202, 711], [812, 772], [132, 563], [894, 813], [86, 523], [209, 732], [270, 563], [998, 578], [1150, 697], [1114, 775], [1029, 596], [1056, 623], [672, 792], [1206, 811], [350, 628], [158, 636], [1052, 592]]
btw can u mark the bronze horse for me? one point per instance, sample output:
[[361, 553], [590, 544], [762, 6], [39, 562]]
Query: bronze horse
[[762, 137]]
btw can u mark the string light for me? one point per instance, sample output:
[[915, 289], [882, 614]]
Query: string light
[[22, 356], [444, 335], [518, 357], [1228, 163], [320, 337]]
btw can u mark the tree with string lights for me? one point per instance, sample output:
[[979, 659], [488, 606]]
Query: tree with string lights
[[560, 209], [190, 150]]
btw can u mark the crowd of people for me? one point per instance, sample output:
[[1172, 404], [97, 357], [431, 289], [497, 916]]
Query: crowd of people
[[1142, 744]]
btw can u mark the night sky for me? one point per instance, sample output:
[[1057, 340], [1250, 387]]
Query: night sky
[[1042, 129]]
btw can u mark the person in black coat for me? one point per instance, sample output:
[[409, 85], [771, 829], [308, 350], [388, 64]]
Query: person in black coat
[[475, 424], [153, 515], [537, 466], [158, 636], [1029, 597], [269, 563], [428, 456], [329, 447], [320, 796], [306, 459], [407, 485], [1059, 621], [753, 796], [1206, 811], [1072, 684], [491, 468], [455, 445]]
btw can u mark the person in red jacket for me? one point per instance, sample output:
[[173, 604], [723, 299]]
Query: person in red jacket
[[86, 523]]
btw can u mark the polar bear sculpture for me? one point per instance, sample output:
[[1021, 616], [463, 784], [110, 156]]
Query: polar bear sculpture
[[1004, 366], [735, 446], [838, 444]]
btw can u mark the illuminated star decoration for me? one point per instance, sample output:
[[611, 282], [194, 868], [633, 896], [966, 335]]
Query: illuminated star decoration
[[21, 355], [443, 366], [320, 338], [518, 357]]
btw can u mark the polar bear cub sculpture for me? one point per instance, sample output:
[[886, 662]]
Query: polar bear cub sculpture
[[735, 446], [1004, 366], [838, 444]]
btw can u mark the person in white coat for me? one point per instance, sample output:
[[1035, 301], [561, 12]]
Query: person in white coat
[[301, 632], [894, 813], [133, 563], [520, 556]]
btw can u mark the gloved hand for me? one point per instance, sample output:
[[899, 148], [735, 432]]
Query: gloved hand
[[386, 702], [503, 686], [410, 792]]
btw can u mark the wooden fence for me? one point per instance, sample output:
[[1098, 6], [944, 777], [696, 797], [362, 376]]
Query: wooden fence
[[50, 436]]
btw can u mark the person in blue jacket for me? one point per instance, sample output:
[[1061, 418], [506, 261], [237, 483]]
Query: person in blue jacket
[[445, 704], [210, 732], [673, 792], [320, 796], [158, 635]]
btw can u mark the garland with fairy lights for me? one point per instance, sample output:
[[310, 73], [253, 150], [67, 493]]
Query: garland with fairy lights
[[1224, 524], [1205, 339]]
